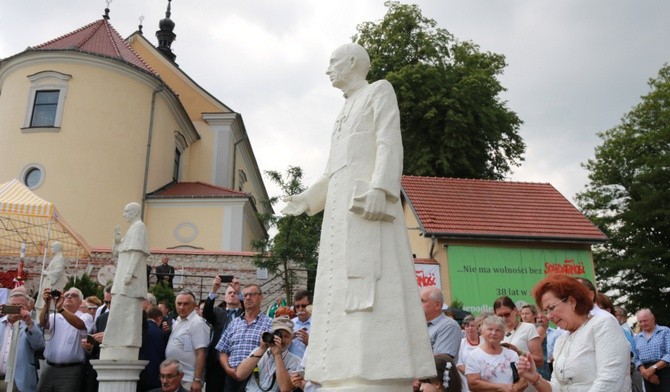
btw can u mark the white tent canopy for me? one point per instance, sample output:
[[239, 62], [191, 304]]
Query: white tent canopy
[[26, 218]]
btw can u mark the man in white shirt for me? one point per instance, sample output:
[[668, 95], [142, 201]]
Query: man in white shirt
[[63, 332], [188, 341]]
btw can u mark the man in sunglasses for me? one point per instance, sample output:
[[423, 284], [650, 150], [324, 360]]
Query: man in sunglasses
[[302, 323], [63, 331]]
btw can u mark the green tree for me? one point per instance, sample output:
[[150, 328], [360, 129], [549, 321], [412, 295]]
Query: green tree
[[297, 238], [86, 285], [628, 198], [453, 121]]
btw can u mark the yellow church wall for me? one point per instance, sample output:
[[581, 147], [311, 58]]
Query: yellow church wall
[[104, 131], [169, 220], [192, 99]]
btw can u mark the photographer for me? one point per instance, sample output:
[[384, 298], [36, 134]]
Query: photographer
[[268, 366], [64, 330], [29, 340]]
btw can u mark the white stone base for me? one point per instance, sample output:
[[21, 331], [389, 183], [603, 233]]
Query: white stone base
[[367, 386], [115, 375]]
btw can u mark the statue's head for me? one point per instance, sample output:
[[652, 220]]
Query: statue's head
[[56, 247], [349, 64], [132, 212]]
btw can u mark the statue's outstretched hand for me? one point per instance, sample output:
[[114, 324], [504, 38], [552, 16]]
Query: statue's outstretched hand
[[295, 205], [375, 202], [117, 233]]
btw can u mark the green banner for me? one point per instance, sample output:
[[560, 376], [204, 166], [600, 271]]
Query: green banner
[[478, 275]]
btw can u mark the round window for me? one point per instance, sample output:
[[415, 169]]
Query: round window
[[33, 175]]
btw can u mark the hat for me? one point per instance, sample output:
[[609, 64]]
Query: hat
[[282, 322]]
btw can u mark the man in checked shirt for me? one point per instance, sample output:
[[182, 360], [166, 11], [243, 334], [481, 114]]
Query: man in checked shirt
[[652, 352], [242, 336]]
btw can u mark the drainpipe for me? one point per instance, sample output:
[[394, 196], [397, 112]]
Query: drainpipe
[[433, 240], [148, 156]]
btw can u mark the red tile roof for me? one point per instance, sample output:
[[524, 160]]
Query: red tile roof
[[452, 207], [195, 190], [98, 38]]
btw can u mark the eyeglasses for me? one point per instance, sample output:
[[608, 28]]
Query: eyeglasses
[[168, 376], [300, 306], [70, 295], [245, 295], [551, 308]]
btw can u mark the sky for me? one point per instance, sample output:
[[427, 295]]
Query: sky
[[575, 67]]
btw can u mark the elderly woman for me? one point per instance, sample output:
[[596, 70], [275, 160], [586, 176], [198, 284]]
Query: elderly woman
[[528, 313], [592, 356], [469, 342], [448, 378], [490, 367], [521, 337]]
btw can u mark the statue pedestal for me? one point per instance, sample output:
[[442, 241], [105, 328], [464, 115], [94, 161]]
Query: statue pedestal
[[118, 375], [367, 386]]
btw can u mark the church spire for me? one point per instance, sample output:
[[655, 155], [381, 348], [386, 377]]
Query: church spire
[[165, 35]]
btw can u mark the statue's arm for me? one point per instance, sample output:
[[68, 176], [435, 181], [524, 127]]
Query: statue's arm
[[311, 201], [387, 172]]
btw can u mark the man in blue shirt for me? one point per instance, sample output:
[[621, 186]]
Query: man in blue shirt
[[652, 352], [29, 340], [302, 323]]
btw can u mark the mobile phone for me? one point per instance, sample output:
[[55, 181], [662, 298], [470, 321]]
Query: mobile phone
[[11, 309], [301, 372], [226, 278], [91, 340]]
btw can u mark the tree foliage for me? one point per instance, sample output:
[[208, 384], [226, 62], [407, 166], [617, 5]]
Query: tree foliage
[[85, 284], [297, 238], [628, 197], [453, 121]]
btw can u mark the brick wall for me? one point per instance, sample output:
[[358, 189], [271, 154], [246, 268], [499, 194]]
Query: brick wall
[[199, 268]]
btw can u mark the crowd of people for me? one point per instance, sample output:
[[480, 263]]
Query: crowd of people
[[591, 347], [234, 346]]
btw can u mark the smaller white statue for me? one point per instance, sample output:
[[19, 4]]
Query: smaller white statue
[[54, 276], [123, 335]]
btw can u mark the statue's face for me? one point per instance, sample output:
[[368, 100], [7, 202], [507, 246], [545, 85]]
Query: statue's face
[[339, 68], [130, 213]]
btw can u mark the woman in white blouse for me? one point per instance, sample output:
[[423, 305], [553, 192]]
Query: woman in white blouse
[[593, 357], [491, 367]]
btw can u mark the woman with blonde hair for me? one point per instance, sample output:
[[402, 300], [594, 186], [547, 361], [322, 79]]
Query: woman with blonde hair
[[492, 367]]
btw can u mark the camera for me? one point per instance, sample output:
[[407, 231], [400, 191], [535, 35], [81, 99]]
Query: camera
[[55, 294], [269, 337], [226, 278]]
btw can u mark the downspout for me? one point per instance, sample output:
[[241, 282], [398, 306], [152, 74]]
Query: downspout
[[433, 240], [148, 156]]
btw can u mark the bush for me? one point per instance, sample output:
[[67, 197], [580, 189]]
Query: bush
[[86, 285]]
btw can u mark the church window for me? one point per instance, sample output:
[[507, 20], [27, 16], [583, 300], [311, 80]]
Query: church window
[[46, 99]]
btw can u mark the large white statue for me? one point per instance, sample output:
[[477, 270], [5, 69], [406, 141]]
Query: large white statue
[[54, 276], [123, 334], [369, 332]]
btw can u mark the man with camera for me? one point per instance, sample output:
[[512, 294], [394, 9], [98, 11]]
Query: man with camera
[[65, 327], [17, 320], [241, 337], [267, 368]]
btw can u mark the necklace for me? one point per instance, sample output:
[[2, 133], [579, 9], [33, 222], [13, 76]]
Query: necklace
[[471, 343], [567, 342]]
